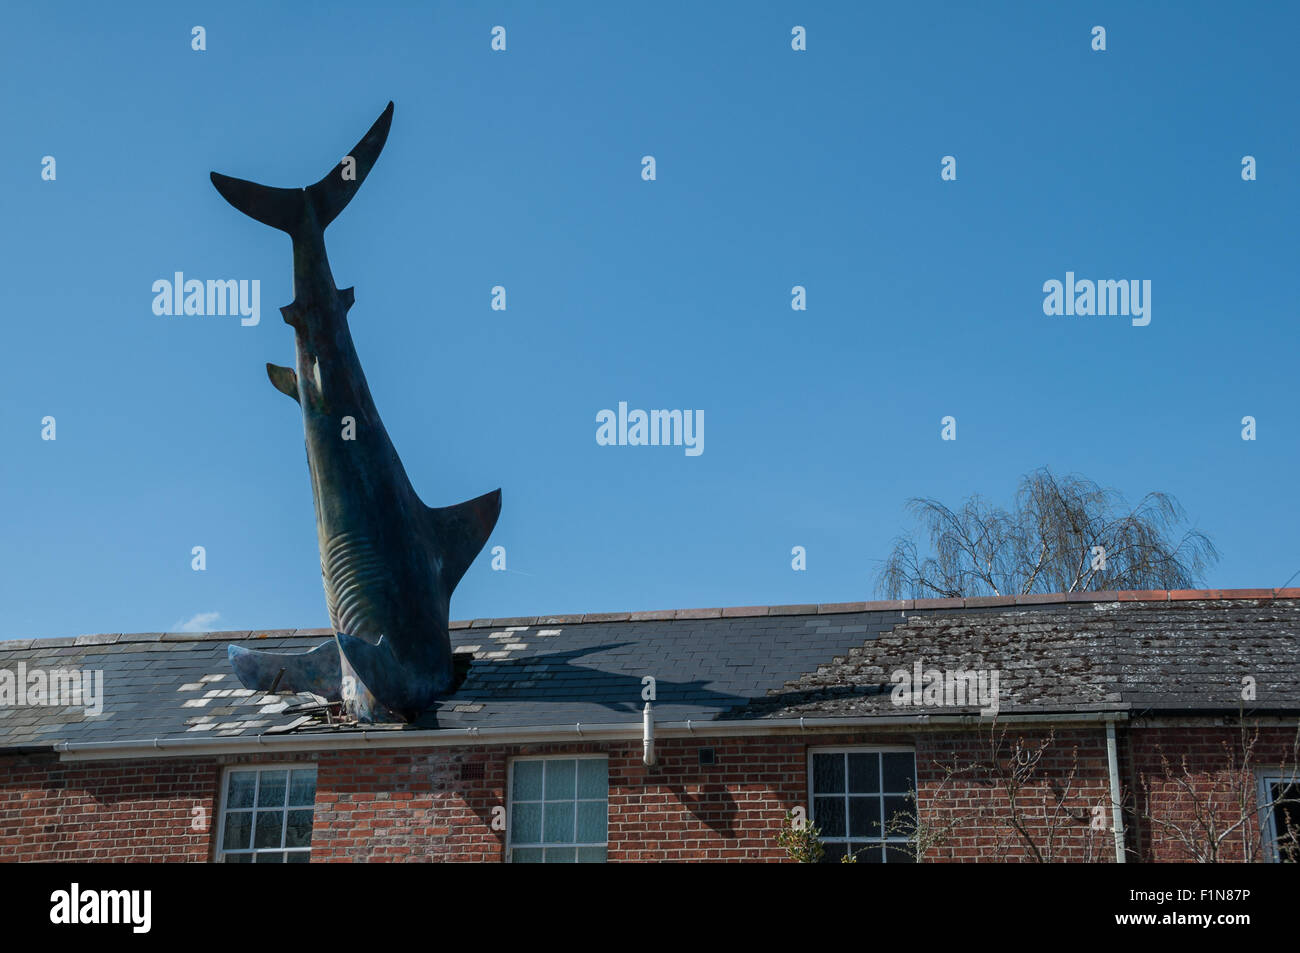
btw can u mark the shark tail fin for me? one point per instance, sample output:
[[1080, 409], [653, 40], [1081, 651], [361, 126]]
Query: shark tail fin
[[460, 532], [286, 209]]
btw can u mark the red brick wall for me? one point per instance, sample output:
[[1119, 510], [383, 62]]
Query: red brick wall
[[414, 806], [380, 806], [1179, 772], [438, 803], [408, 805], [977, 806], [137, 811]]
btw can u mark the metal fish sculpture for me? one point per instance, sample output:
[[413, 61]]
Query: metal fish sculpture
[[389, 562]]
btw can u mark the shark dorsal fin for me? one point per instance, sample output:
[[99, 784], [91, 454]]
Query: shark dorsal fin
[[460, 531], [285, 379]]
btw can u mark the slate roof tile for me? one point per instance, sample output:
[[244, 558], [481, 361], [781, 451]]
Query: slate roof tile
[[1167, 653]]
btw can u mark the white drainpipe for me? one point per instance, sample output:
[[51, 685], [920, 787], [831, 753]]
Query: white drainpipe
[[648, 735], [1117, 815]]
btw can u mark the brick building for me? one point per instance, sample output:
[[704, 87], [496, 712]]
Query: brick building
[[1159, 725]]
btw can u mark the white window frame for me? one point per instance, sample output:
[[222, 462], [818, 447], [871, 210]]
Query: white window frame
[[510, 799], [862, 749], [1267, 777], [220, 851]]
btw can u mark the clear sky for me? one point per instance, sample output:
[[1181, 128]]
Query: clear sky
[[523, 169]]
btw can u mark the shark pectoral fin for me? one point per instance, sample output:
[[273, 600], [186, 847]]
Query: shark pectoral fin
[[375, 667], [285, 379], [459, 532], [316, 671]]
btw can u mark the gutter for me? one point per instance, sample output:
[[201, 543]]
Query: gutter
[[576, 734]]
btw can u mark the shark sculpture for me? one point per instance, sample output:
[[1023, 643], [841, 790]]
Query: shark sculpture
[[389, 562]]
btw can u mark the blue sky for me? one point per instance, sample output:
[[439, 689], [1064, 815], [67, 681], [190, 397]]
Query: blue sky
[[775, 168]]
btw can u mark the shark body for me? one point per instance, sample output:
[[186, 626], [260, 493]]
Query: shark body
[[388, 562]]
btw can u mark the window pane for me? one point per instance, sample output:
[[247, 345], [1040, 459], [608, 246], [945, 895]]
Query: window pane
[[240, 787], [526, 823], [899, 854], [1286, 820], [864, 773], [864, 817], [833, 853], [265, 822], [270, 825], [526, 855], [900, 816], [591, 855], [302, 788], [828, 773], [593, 778], [557, 827], [829, 813], [591, 821], [559, 779], [559, 855], [899, 769], [528, 780], [270, 792], [239, 828], [297, 832], [868, 853]]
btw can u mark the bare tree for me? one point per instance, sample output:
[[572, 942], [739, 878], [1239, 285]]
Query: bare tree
[[1219, 816], [1063, 535], [1040, 808]]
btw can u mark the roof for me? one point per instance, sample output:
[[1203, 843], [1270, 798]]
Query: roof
[[1137, 652]]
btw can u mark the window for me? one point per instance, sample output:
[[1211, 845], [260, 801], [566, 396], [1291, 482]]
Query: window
[[559, 810], [266, 815], [1279, 798], [863, 802]]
